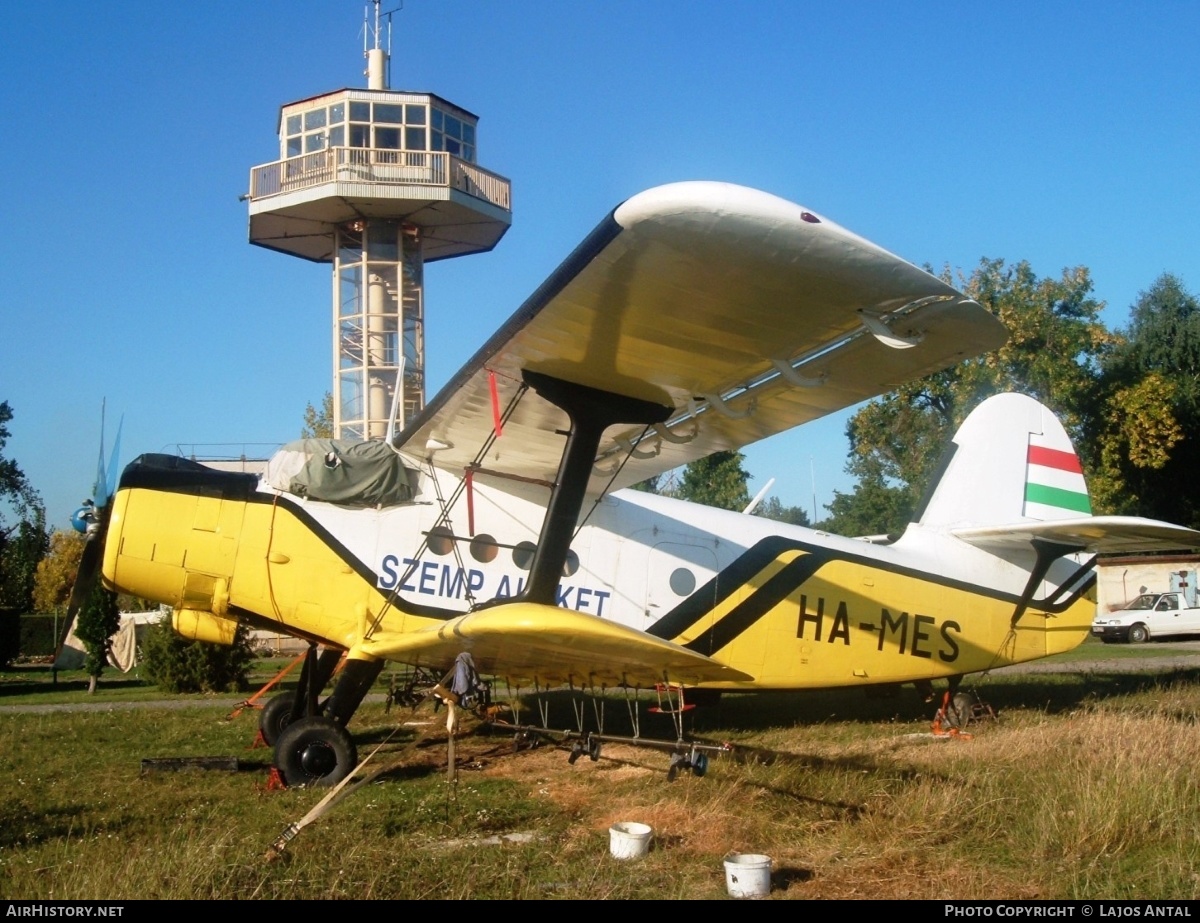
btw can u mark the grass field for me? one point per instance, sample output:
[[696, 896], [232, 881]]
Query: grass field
[[1084, 788]]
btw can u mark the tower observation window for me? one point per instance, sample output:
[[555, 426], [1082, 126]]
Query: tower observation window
[[390, 126]]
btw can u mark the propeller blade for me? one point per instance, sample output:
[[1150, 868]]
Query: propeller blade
[[110, 482], [93, 519]]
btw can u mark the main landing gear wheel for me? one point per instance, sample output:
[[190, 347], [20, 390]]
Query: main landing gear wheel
[[315, 751], [275, 717], [1138, 634]]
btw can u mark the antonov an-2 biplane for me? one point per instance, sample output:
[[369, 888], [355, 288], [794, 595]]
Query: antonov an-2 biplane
[[696, 317]]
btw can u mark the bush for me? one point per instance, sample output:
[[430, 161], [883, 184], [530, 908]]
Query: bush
[[10, 634], [39, 634], [175, 664]]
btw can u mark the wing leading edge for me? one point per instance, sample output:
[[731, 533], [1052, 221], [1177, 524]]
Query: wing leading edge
[[743, 313]]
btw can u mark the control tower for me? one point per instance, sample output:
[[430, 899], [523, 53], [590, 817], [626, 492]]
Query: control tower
[[377, 182]]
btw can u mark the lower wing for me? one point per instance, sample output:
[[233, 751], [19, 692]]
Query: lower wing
[[527, 642]]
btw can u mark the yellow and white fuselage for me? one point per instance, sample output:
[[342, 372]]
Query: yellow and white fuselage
[[744, 602]]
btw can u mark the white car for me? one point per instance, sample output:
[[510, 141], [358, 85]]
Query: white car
[[1151, 615]]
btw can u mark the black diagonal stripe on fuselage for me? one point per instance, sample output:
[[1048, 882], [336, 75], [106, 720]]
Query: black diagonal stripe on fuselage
[[702, 602], [760, 602]]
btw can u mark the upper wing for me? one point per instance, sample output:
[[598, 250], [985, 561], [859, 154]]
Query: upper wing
[[527, 642], [744, 313], [1102, 534]]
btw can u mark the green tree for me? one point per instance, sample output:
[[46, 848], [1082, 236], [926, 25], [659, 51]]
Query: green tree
[[1149, 406], [872, 508], [318, 424], [1056, 339], [773, 508], [718, 480], [23, 541], [98, 620]]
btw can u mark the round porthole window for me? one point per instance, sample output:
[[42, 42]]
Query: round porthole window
[[441, 540], [523, 555], [683, 582], [571, 565], [484, 548]]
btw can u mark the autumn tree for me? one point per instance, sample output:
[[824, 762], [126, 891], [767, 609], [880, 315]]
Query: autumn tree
[[1149, 409], [56, 571], [1055, 341], [318, 424]]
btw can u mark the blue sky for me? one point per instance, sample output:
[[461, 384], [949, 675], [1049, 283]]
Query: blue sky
[[1063, 134]]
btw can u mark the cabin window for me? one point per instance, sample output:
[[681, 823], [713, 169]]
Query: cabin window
[[484, 548], [523, 555], [683, 582], [441, 540]]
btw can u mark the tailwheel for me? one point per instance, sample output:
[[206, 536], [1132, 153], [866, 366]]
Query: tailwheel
[[315, 751], [276, 716], [960, 710]]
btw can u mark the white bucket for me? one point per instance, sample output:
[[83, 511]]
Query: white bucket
[[748, 875], [628, 839]]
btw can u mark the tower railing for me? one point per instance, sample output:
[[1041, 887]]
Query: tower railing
[[382, 166]]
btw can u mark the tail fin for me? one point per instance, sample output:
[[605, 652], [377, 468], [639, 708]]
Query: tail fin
[[1011, 461]]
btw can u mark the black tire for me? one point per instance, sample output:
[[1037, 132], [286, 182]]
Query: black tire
[[1138, 634], [315, 751], [699, 765], [275, 716], [593, 750]]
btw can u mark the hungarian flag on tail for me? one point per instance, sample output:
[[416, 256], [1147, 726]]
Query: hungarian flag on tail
[[1054, 485]]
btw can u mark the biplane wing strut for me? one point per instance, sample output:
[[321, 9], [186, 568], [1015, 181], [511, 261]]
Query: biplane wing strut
[[591, 412]]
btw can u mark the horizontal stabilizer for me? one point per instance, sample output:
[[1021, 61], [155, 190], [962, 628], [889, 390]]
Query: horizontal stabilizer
[[1097, 534], [524, 642]]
